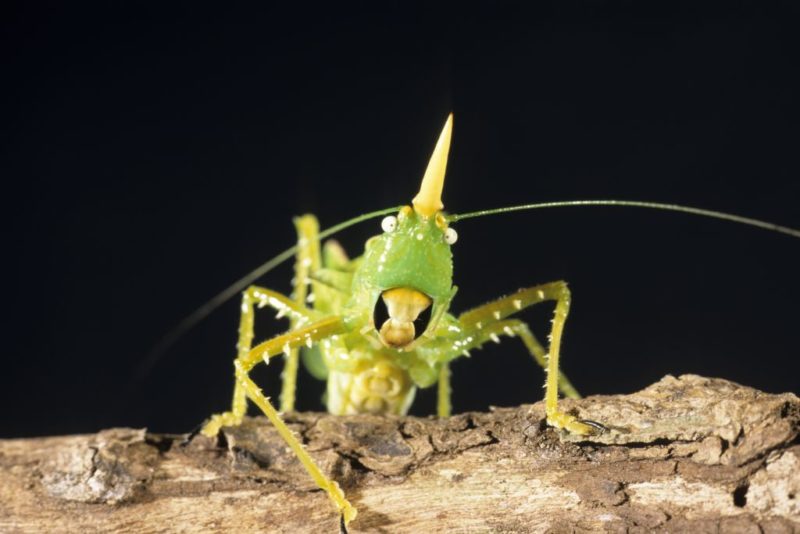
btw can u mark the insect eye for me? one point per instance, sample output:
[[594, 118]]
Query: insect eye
[[450, 236], [389, 224]]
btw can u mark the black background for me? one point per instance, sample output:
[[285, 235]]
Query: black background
[[151, 156]]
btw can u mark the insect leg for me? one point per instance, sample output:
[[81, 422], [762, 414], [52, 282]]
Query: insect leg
[[307, 262], [512, 328], [521, 329], [253, 297], [485, 319], [482, 317], [312, 333], [335, 257], [444, 405]]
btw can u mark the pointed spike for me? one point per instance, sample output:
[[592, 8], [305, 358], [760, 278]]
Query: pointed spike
[[429, 199]]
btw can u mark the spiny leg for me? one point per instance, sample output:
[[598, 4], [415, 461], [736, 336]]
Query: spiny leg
[[486, 318], [307, 335], [308, 261], [521, 329], [510, 328], [253, 297], [475, 320]]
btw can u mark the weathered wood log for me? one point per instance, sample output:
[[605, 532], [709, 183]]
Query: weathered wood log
[[687, 454]]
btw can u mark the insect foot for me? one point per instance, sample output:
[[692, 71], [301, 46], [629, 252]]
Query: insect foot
[[573, 425], [219, 420]]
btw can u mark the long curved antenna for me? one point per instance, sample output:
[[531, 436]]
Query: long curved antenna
[[191, 320], [634, 204]]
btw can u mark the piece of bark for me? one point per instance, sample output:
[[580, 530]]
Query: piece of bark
[[687, 454]]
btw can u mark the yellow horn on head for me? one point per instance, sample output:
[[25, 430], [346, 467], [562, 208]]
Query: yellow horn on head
[[429, 199]]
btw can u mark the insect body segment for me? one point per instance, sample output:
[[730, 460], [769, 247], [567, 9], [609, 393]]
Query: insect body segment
[[378, 327]]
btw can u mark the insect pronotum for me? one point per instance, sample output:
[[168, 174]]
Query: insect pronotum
[[381, 323]]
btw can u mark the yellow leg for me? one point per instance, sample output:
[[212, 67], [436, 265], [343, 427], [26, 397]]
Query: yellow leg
[[487, 316], [444, 406], [329, 486], [312, 333], [253, 297], [307, 262], [522, 330]]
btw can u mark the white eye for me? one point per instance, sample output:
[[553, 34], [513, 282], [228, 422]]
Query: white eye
[[389, 224], [450, 236]]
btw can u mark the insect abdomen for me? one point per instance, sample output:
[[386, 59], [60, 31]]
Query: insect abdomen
[[377, 386]]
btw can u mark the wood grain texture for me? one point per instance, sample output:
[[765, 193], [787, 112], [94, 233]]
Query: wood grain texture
[[687, 454]]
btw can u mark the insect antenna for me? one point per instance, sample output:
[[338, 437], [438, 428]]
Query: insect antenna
[[633, 204], [191, 320]]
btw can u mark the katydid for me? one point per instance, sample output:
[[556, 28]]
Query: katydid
[[380, 324]]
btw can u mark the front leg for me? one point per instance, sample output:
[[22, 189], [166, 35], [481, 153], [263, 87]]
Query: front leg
[[486, 322], [308, 335], [252, 298]]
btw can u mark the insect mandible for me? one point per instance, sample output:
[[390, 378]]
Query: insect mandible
[[381, 323]]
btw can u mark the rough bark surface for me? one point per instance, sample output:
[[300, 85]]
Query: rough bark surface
[[687, 454]]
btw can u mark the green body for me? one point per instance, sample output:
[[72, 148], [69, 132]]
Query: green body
[[362, 374], [376, 368]]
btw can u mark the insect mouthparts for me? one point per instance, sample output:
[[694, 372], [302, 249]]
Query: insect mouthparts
[[404, 306]]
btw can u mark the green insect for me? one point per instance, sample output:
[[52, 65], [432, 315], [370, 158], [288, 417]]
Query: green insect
[[380, 326]]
